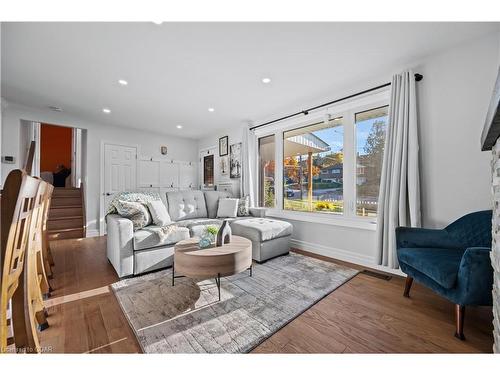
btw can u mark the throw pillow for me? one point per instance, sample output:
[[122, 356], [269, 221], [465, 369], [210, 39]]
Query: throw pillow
[[159, 213], [135, 211], [244, 206], [228, 207]]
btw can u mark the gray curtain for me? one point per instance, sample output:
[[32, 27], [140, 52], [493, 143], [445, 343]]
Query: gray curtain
[[399, 197], [248, 159]]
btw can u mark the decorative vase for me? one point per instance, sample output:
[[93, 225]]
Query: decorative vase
[[224, 234], [204, 242]]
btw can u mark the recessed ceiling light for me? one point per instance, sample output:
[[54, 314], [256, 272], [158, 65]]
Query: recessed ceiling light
[[211, 109], [122, 82], [158, 22], [55, 109], [106, 110], [266, 80], [178, 126]]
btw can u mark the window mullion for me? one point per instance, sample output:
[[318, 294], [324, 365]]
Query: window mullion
[[278, 189], [349, 165]]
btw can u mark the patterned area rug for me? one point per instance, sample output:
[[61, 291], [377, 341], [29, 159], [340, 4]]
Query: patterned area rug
[[188, 318]]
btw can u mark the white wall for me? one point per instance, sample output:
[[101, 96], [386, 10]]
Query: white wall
[[235, 135], [453, 101], [149, 145], [455, 175]]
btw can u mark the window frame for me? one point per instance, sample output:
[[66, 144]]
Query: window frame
[[347, 110], [259, 174], [355, 163]]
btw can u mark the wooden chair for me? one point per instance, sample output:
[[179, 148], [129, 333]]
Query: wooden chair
[[18, 207], [43, 195], [47, 254], [35, 313]]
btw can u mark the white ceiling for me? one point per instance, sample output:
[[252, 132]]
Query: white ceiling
[[176, 71]]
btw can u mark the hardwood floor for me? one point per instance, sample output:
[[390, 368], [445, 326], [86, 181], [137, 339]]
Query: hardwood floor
[[365, 315]]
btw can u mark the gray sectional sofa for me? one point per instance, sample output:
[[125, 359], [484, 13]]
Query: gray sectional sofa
[[133, 253]]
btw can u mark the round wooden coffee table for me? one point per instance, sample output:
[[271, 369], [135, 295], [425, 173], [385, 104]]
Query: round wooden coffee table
[[226, 260]]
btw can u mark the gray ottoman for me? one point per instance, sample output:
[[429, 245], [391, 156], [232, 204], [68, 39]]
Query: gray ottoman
[[269, 237]]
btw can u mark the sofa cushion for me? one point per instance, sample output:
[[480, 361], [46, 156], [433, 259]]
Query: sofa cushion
[[189, 204], [228, 207], [159, 213], [212, 201], [197, 226], [261, 229], [147, 238], [440, 265]]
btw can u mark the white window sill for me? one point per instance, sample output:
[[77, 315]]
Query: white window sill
[[324, 218]]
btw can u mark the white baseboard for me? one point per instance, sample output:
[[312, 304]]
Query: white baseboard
[[344, 255], [93, 233]]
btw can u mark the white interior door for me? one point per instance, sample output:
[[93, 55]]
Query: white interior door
[[120, 171]]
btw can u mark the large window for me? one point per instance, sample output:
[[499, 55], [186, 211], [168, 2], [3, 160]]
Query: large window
[[371, 126], [313, 167], [328, 164], [266, 169]]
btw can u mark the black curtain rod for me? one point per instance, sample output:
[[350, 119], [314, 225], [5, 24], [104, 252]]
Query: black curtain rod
[[418, 77]]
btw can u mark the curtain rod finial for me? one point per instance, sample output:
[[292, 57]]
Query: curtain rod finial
[[418, 77]]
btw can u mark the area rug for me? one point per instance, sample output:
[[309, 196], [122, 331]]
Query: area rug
[[189, 318]]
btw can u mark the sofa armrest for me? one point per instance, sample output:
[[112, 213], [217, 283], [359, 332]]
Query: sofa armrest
[[120, 244], [258, 211], [420, 237], [475, 276]]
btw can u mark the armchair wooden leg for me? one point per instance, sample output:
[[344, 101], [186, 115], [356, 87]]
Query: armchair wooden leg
[[409, 282], [459, 316]]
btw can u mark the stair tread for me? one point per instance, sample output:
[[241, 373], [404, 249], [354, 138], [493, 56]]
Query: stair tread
[[66, 206], [64, 230], [65, 217]]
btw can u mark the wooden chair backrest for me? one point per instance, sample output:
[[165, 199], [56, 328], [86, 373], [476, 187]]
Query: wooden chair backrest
[[47, 257], [42, 198], [33, 302], [46, 207], [15, 240]]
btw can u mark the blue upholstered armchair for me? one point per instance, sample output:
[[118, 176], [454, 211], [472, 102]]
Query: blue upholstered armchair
[[454, 261]]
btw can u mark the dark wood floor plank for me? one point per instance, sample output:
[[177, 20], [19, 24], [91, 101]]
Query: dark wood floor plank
[[365, 315]]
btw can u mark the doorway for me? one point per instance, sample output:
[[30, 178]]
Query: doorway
[[55, 154], [59, 156], [207, 169]]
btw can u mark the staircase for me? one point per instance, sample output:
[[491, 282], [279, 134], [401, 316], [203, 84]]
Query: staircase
[[66, 214]]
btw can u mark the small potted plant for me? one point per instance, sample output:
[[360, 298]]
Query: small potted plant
[[208, 237]]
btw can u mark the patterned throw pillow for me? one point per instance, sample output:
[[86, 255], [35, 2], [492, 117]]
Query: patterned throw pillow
[[243, 206], [132, 196], [135, 211]]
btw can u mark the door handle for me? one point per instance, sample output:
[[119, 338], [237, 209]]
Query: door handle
[[108, 194]]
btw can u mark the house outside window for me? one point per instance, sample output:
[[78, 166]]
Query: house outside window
[[308, 151]]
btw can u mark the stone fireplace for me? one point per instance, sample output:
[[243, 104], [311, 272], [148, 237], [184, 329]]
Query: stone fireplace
[[490, 140]]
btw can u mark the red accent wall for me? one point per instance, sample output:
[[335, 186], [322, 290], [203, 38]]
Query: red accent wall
[[55, 147]]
